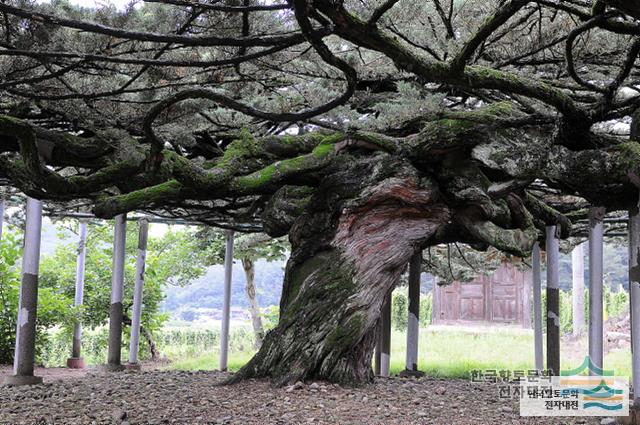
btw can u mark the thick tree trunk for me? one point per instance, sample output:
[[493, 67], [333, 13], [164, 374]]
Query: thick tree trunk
[[254, 307], [348, 251]]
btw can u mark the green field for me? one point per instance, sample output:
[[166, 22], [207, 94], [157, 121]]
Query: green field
[[449, 353]]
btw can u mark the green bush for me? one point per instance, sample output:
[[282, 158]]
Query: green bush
[[400, 309], [9, 281], [615, 303], [270, 317], [53, 307], [426, 308]]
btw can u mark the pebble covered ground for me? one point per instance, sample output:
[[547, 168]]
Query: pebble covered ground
[[161, 397]]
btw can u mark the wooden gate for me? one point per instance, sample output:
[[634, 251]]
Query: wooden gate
[[504, 297]]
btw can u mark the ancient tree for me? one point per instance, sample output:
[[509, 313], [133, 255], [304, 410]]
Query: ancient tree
[[363, 130]]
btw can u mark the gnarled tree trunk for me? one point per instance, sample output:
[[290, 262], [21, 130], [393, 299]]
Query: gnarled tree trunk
[[348, 251]]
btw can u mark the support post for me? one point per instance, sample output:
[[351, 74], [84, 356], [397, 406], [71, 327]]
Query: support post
[[226, 305], [76, 361], [577, 288], [413, 321], [24, 358], [596, 229], [134, 343], [553, 301], [385, 337], [634, 290], [537, 307], [117, 288]]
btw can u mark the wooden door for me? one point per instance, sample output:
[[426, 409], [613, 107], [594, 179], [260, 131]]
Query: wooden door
[[472, 301]]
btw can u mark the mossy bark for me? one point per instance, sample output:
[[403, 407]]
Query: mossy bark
[[349, 249]]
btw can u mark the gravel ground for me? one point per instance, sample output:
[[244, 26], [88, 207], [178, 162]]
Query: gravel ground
[[158, 397]]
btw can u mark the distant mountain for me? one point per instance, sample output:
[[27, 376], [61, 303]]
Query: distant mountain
[[207, 291]]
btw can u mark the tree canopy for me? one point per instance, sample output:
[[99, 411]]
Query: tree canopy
[[230, 112]]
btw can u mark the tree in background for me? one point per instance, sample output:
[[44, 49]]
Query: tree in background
[[172, 259], [53, 307], [248, 248]]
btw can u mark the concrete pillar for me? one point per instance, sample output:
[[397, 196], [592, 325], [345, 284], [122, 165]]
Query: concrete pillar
[[226, 302], [553, 301], [134, 343], [596, 229], [634, 289], [1, 216], [413, 321], [577, 288], [24, 358], [76, 361], [117, 288], [385, 338], [537, 307]]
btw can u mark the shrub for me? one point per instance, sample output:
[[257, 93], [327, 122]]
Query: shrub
[[399, 309], [53, 307], [615, 303]]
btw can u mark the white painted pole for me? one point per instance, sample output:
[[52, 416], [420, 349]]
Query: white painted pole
[[596, 229], [537, 307], [577, 275], [634, 289], [134, 343], [117, 289], [75, 361], [24, 359], [226, 302], [553, 301], [413, 320]]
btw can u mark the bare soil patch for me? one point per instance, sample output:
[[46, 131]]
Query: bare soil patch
[[159, 397]]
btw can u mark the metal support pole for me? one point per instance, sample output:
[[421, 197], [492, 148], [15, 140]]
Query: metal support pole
[[226, 302], [134, 342], [76, 361], [385, 338], [117, 288], [553, 301], [634, 289], [413, 321], [596, 229], [537, 307], [577, 274], [23, 364]]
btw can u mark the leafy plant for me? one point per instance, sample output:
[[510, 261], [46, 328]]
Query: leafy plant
[[53, 306]]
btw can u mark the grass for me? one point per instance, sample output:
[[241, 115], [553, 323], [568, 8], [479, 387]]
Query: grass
[[454, 353], [448, 353], [211, 361]]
